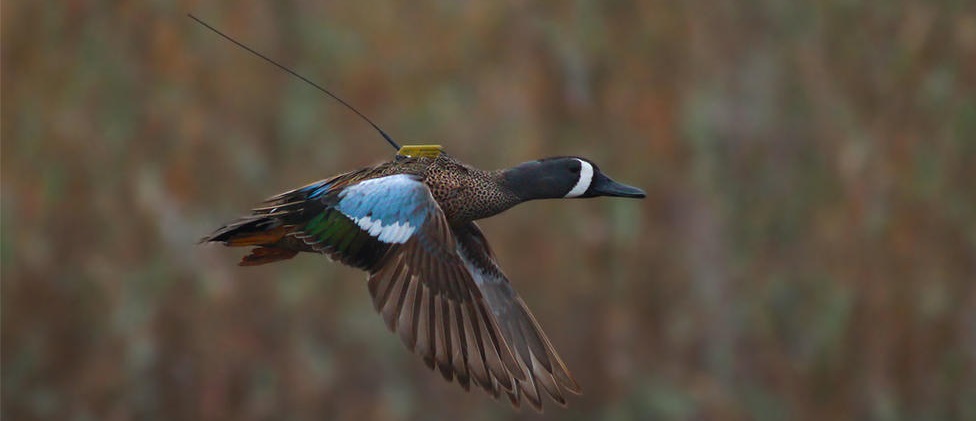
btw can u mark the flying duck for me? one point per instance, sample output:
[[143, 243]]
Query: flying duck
[[409, 223]]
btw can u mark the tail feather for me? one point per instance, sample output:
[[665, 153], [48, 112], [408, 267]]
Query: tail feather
[[256, 230], [262, 255], [260, 238], [248, 231]]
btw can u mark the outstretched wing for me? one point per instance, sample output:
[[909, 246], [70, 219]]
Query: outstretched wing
[[419, 285], [441, 291], [523, 333]]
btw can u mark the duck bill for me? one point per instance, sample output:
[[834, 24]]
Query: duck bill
[[605, 186]]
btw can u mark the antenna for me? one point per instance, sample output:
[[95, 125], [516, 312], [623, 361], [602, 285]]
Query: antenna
[[303, 78]]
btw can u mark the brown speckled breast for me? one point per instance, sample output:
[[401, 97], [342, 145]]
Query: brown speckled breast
[[463, 192]]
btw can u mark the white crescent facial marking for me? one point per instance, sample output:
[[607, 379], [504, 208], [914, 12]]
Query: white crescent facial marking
[[585, 178]]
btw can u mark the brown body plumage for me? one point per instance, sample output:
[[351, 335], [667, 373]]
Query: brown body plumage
[[463, 192]]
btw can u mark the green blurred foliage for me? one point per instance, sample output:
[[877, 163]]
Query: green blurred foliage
[[807, 249]]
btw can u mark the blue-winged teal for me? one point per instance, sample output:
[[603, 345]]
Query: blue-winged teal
[[410, 224]]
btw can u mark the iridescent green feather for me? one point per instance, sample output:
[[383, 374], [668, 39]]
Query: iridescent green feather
[[343, 245], [337, 225], [311, 225]]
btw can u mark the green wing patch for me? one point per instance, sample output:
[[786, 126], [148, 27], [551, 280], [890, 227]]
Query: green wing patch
[[333, 233]]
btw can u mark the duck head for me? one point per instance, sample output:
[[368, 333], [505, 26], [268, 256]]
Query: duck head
[[564, 177]]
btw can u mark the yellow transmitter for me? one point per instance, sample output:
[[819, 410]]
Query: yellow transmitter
[[421, 151]]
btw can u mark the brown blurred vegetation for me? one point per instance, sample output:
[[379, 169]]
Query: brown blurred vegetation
[[807, 249]]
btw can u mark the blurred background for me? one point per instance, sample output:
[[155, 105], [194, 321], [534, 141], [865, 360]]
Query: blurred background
[[807, 249]]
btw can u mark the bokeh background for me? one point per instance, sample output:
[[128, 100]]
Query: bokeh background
[[807, 249]]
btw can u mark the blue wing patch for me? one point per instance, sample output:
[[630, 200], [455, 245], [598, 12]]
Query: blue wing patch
[[389, 208]]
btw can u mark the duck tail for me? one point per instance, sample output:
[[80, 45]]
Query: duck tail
[[262, 255], [256, 230]]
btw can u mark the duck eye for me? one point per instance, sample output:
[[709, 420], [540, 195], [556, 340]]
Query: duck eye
[[574, 170]]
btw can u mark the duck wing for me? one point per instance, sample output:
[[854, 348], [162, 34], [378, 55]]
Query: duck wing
[[522, 332], [442, 291]]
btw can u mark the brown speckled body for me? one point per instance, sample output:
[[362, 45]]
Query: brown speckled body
[[464, 193]]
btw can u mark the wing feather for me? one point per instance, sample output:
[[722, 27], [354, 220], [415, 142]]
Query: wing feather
[[520, 328]]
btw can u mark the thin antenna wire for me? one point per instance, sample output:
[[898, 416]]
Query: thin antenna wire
[[385, 136]]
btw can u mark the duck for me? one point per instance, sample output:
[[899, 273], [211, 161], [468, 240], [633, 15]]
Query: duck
[[410, 223]]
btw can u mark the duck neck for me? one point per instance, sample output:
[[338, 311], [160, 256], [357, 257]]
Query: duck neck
[[500, 195], [528, 182]]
